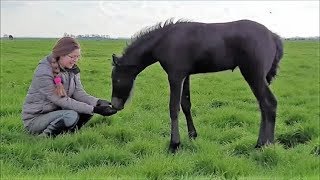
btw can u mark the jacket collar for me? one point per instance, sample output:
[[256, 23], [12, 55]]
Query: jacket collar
[[75, 69]]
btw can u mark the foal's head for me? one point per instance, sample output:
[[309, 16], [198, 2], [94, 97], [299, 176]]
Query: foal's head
[[123, 77]]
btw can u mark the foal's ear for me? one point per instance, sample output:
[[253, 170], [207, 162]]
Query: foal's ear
[[114, 60]]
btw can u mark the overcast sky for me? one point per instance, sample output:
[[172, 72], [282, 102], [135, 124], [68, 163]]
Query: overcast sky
[[124, 18]]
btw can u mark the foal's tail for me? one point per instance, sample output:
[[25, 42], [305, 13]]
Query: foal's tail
[[279, 53]]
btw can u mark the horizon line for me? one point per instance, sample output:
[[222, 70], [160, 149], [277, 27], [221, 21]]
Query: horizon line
[[125, 37]]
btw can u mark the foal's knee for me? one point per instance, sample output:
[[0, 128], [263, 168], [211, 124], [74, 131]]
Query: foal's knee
[[269, 104], [186, 107], [185, 102], [273, 105]]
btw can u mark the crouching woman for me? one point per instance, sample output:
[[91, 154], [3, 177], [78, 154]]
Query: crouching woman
[[56, 101]]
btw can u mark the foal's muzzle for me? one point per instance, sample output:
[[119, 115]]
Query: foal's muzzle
[[117, 103]]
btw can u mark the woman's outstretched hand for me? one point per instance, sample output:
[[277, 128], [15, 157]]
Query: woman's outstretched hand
[[104, 110], [102, 102]]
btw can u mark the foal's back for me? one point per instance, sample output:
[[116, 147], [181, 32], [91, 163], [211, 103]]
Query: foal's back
[[210, 47]]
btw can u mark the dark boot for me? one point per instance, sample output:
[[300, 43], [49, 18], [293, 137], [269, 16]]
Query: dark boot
[[83, 119], [54, 128]]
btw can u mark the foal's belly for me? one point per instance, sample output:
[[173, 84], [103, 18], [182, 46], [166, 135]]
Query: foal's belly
[[212, 66]]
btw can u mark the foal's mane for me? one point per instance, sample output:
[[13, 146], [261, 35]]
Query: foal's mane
[[151, 30]]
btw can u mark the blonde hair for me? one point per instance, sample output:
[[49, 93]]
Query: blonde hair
[[63, 47]]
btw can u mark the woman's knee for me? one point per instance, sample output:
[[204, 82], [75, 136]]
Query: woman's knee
[[70, 118]]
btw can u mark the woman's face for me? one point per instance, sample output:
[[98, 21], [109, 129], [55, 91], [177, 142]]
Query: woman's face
[[69, 60]]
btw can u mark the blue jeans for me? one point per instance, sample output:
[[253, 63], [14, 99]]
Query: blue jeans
[[57, 122]]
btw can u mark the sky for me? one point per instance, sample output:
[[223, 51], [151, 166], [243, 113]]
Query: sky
[[125, 18]]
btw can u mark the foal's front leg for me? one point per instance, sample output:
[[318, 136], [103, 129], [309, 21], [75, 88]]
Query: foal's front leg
[[175, 99], [186, 108]]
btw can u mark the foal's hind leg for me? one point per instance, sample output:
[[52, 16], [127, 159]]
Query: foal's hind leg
[[186, 108], [268, 108], [267, 104]]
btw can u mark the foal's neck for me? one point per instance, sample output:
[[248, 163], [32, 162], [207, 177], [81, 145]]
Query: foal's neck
[[140, 52], [140, 61]]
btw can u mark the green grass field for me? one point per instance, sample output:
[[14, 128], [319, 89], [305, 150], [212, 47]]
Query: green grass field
[[133, 143]]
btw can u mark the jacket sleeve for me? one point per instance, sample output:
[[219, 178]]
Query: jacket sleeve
[[46, 87], [81, 95]]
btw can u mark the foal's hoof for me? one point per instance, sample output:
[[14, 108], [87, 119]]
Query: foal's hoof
[[173, 147], [193, 135], [259, 145]]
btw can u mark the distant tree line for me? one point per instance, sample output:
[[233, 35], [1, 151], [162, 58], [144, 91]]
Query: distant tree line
[[87, 36], [302, 38], [103, 36]]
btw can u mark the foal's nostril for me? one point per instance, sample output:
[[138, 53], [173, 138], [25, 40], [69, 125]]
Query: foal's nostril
[[117, 107]]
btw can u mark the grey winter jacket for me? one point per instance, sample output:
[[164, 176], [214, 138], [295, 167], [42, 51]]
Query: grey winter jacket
[[41, 97]]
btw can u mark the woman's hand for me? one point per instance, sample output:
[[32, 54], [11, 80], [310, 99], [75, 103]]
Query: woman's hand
[[104, 110], [102, 102]]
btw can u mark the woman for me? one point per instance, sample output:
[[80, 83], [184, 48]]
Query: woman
[[56, 101]]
